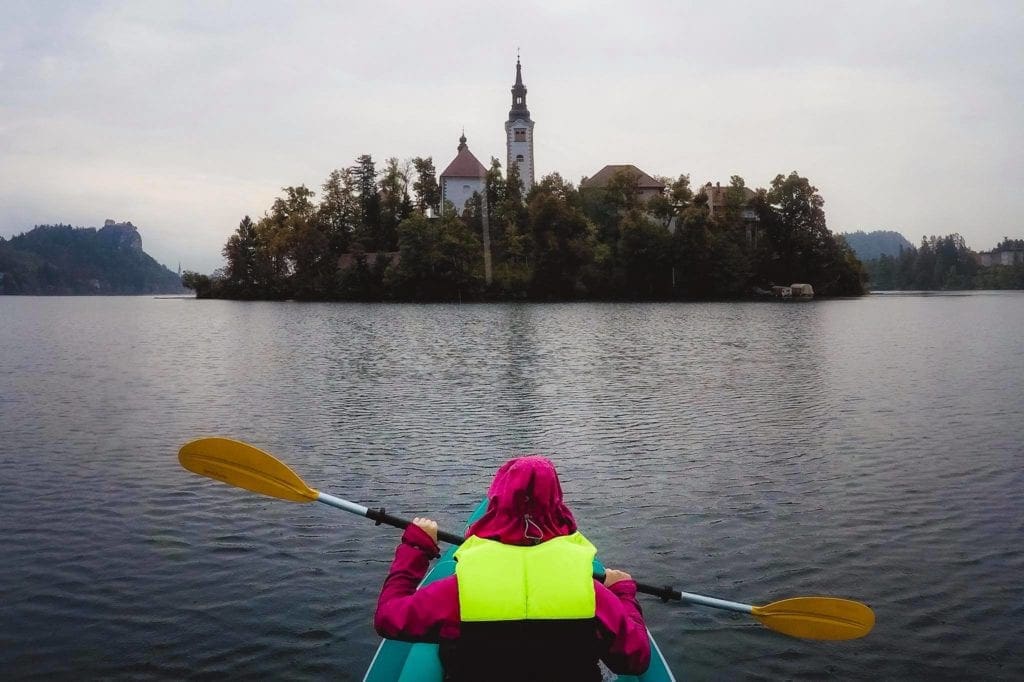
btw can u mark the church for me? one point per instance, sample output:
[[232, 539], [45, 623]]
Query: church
[[465, 174]]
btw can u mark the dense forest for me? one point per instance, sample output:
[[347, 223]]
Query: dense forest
[[944, 263], [373, 235], [61, 259]]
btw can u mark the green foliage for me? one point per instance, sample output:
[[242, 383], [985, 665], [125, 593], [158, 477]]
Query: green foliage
[[710, 258], [395, 204], [1000, 277], [367, 230], [643, 257], [439, 259], [797, 246], [243, 271], [364, 279], [203, 285], [426, 189], [367, 239], [339, 209], [562, 238]]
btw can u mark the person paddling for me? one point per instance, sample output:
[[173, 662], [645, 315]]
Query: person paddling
[[523, 603]]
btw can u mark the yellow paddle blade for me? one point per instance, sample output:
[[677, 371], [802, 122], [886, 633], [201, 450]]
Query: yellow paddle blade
[[242, 465], [817, 617]]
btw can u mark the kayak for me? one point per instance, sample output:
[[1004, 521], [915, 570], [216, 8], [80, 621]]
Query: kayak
[[397, 661]]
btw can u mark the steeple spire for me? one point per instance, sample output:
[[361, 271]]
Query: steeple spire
[[518, 109], [462, 140]]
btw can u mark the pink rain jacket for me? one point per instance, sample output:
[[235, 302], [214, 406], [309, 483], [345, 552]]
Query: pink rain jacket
[[524, 507]]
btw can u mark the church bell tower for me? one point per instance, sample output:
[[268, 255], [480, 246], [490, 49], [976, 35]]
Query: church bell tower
[[519, 132]]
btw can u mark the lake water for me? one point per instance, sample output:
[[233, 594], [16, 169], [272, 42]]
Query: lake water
[[866, 448]]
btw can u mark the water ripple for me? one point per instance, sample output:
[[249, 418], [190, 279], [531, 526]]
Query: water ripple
[[867, 449]]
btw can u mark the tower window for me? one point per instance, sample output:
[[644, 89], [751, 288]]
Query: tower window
[[519, 158], [519, 100], [520, 135]]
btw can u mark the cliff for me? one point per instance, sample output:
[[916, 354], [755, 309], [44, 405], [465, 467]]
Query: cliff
[[62, 260]]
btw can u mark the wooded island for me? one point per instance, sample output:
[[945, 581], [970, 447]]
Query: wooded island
[[386, 236]]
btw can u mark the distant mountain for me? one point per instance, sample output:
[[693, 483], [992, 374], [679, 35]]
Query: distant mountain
[[871, 245], [61, 259]]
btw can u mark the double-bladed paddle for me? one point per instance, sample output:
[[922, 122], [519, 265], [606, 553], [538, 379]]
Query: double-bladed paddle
[[245, 466]]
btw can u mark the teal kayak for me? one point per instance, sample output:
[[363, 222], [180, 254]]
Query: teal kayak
[[397, 661]]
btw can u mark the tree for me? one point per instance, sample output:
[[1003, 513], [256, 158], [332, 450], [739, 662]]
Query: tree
[[676, 197], [644, 251], [428, 194], [438, 260], [201, 284], [798, 246], [691, 254], [563, 240], [242, 253], [395, 204], [339, 211], [301, 244], [367, 233]]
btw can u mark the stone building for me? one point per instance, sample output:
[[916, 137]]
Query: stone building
[[1008, 257]]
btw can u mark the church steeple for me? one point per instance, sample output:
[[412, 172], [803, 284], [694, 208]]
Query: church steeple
[[519, 132], [519, 109]]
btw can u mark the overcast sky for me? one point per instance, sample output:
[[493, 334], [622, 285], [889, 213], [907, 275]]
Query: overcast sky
[[183, 117]]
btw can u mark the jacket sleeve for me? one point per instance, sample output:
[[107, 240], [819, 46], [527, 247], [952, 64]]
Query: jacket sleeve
[[627, 648], [405, 613]]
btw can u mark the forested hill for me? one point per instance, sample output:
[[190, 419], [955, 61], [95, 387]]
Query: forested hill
[[871, 245], [61, 259]]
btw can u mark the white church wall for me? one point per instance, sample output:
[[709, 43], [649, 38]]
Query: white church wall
[[460, 190]]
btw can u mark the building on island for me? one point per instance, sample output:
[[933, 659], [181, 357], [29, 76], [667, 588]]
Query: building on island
[[646, 186], [718, 203], [1007, 257], [718, 200], [463, 177], [519, 133]]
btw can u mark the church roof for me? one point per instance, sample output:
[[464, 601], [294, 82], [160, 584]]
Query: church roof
[[602, 177], [464, 165]]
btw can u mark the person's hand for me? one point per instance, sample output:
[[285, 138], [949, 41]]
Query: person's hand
[[611, 576], [427, 526]]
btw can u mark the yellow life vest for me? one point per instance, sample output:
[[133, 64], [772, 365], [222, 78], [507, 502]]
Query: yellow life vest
[[550, 581]]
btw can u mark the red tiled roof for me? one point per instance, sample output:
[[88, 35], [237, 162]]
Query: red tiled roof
[[464, 165], [603, 176]]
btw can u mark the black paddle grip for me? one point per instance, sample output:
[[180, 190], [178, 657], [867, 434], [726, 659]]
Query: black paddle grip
[[380, 516]]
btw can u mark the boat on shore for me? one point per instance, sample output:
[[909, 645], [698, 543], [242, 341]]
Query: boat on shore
[[794, 292]]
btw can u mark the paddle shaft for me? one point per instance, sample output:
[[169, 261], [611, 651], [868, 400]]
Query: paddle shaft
[[666, 593], [380, 516], [244, 466]]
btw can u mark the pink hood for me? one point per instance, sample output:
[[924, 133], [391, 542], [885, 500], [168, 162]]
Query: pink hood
[[524, 504]]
